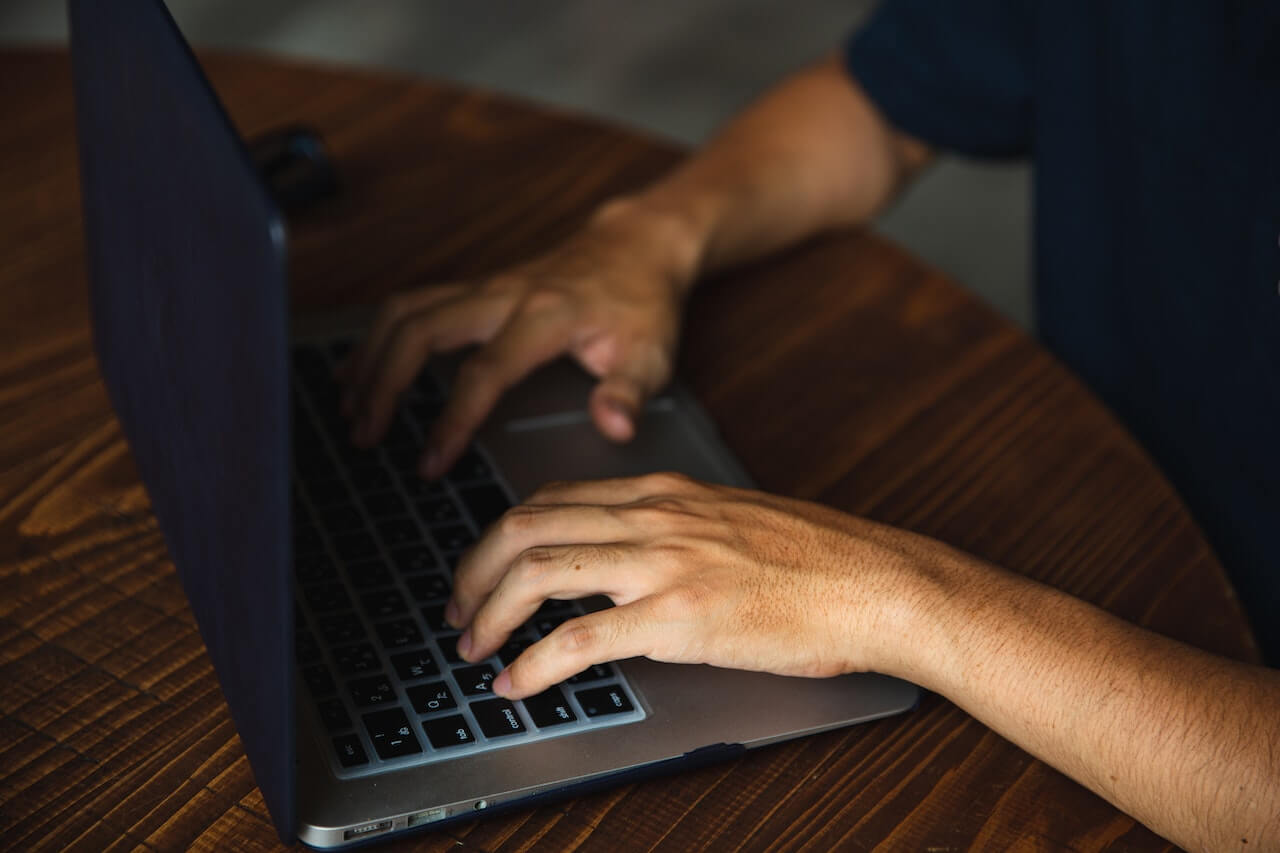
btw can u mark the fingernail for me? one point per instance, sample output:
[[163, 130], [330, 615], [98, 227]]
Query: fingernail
[[452, 615], [464, 645], [502, 684]]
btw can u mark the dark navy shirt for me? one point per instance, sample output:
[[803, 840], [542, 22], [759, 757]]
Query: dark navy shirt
[[1154, 127]]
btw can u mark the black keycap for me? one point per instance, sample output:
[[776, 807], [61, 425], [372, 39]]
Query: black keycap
[[546, 624], [433, 615], [497, 717], [556, 606], [601, 701], [353, 458], [399, 634], [427, 587], [326, 597], [319, 681], [383, 603], [411, 665], [415, 487], [486, 502], [334, 715], [390, 733], [429, 698], [403, 458], [384, 504], [474, 680], [444, 732], [452, 538], [370, 479], [350, 752], [305, 646], [549, 708], [342, 518], [314, 568], [399, 532], [470, 466], [341, 628], [512, 649], [371, 691], [595, 672], [368, 574], [419, 558], [328, 492], [438, 509], [355, 546], [352, 660], [449, 649]]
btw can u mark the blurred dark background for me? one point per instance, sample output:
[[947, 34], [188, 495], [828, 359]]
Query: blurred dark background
[[677, 68]]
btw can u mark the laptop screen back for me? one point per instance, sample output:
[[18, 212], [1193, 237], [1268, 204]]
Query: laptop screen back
[[189, 304]]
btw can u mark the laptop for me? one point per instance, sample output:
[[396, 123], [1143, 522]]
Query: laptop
[[317, 572]]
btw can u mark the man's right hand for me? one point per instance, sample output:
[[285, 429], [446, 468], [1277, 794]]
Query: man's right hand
[[611, 296]]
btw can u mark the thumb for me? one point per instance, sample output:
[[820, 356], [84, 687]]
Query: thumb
[[615, 406]]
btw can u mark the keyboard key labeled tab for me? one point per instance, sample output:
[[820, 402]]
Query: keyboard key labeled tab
[[497, 718], [429, 698], [602, 701], [474, 680], [350, 752], [549, 708], [444, 732], [390, 733]]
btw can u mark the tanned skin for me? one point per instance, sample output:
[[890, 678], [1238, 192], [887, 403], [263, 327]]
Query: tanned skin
[[1186, 742]]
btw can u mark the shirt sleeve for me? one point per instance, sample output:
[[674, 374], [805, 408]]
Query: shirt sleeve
[[956, 75]]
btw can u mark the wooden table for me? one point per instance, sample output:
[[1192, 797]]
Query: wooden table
[[845, 372]]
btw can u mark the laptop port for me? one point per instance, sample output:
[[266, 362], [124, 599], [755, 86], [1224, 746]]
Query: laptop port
[[429, 816], [367, 829]]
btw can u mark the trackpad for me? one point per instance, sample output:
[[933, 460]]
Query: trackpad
[[535, 450]]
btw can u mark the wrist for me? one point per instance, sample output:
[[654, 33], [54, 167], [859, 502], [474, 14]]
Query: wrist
[[672, 232]]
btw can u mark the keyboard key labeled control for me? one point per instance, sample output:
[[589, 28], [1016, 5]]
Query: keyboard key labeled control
[[350, 752], [602, 701], [474, 680], [429, 698], [366, 692], [444, 732], [390, 733], [497, 717], [549, 708], [411, 665]]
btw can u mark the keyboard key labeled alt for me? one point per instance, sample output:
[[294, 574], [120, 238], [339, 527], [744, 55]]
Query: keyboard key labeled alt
[[444, 732], [497, 717], [602, 701], [390, 733]]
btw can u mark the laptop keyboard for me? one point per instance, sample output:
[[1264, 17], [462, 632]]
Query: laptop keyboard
[[374, 551]]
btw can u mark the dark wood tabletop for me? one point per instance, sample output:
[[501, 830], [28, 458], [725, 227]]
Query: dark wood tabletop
[[844, 371]]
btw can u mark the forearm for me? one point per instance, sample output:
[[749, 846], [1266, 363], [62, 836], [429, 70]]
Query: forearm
[[1186, 742], [812, 154]]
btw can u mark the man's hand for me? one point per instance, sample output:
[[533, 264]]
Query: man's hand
[[611, 297], [700, 574]]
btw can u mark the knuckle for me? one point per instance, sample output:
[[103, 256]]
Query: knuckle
[[576, 637], [547, 492], [533, 565], [516, 520], [545, 300], [668, 481]]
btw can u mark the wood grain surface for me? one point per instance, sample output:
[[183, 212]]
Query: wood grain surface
[[844, 371]]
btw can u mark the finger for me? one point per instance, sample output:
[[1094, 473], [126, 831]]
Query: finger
[[521, 528], [606, 635], [446, 326], [525, 343], [394, 310], [614, 491], [616, 403], [560, 572]]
